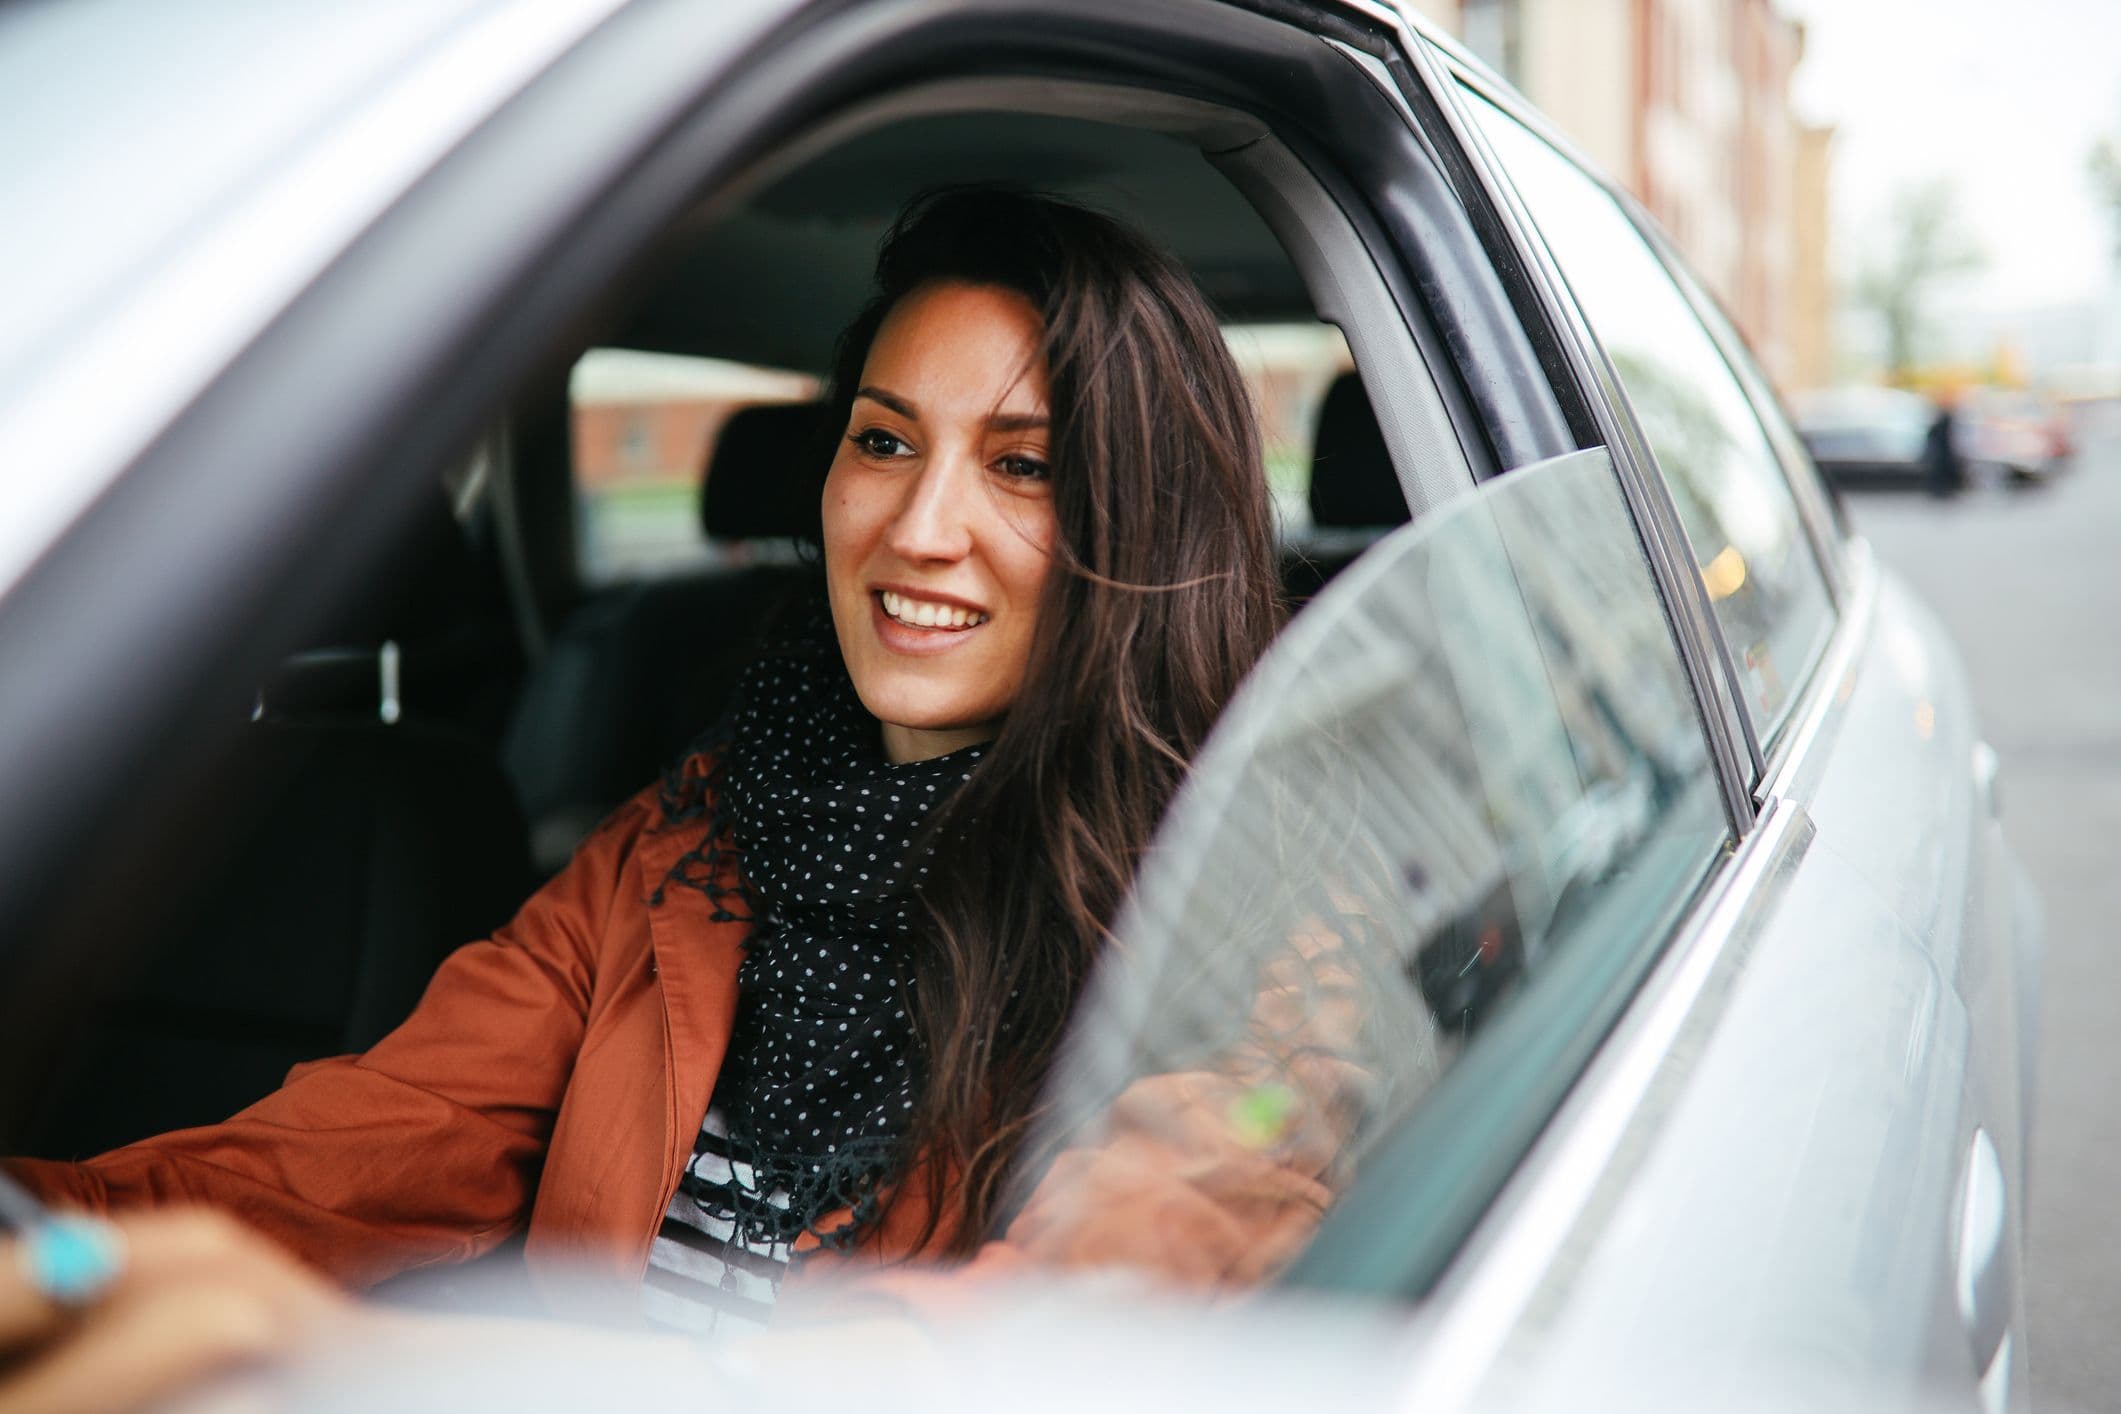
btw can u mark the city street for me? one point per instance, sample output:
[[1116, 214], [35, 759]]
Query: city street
[[2028, 582]]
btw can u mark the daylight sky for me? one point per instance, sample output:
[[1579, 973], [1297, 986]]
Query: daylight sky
[[2005, 99]]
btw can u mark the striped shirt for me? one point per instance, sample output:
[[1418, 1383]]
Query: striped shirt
[[703, 1275]]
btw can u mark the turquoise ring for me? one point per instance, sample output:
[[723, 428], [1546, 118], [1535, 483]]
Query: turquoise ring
[[72, 1261]]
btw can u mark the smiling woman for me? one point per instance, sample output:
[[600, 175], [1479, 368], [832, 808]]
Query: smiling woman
[[1043, 425], [848, 927], [1048, 561]]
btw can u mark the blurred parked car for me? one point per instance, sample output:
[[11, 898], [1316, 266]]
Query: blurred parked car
[[1680, 983], [1880, 437], [2015, 432]]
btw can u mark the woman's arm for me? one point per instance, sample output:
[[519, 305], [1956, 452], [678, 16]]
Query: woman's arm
[[426, 1148]]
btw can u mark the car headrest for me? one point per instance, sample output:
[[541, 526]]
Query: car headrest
[[1352, 481], [761, 480], [412, 599]]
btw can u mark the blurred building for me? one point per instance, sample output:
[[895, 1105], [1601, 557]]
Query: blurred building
[[1687, 104], [1811, 335]]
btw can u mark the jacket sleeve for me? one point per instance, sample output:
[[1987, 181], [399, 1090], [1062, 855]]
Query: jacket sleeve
[[427, 1147]]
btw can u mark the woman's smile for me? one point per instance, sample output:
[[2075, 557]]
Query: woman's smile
[[915, 610], [920, 628]]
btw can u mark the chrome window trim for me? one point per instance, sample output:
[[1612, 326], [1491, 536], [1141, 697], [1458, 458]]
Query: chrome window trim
[[1832, 674], [1732, 744], [1536, 1233]]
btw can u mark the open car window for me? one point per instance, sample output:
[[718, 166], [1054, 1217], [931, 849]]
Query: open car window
[[1448, 820]]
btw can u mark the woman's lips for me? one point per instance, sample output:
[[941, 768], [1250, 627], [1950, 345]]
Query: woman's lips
[[920, 639]]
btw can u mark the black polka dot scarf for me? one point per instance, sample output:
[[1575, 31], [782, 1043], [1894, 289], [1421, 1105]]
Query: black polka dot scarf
[[821, 1074]]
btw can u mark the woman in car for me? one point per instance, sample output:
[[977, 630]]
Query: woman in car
[[848, 929]]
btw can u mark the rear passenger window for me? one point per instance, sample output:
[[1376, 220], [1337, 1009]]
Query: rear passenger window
[[1289, 368], [1757, 563], [1448, 820], [645, 428]]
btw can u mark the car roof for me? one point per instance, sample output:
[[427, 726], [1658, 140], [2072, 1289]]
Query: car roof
[[150, 117], [192, 168], [773, 281]]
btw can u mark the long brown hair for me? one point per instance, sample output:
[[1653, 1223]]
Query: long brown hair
[[1164, 593]]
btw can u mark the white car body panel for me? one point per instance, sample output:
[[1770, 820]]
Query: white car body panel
[[162, 299], [1778, 1224]]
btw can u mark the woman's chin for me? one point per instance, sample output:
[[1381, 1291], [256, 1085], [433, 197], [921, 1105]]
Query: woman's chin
[[913, 735]]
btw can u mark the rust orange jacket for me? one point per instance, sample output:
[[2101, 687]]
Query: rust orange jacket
[[557, 1073]]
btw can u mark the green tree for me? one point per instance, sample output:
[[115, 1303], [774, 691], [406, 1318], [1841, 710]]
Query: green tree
[[1925, 243], [2104, 164]]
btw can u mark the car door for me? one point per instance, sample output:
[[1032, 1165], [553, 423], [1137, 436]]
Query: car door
[[1820, 1174], [1748, 1133]]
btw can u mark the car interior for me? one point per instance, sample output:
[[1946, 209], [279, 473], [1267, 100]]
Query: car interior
[[440, 746]]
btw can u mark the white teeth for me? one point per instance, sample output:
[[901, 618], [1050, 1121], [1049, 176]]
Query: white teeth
[[926, 613]]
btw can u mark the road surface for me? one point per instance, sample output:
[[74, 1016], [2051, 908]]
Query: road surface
[[2029, 581]]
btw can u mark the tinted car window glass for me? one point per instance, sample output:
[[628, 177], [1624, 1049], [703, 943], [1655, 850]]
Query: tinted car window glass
[[645, 425], [1756, 561], [1463, 793]]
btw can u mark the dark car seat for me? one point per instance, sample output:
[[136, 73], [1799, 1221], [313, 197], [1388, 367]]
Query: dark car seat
[[637, 672], [358, 839], [1355, 497]]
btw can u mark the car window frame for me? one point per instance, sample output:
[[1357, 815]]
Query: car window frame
[[1765, 727], [1468, 318], [1736, 746], [1465, 1162], [455, 297], [1492, 1279]]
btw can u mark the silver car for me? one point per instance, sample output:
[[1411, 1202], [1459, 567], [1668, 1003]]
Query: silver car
[[1624, 829]]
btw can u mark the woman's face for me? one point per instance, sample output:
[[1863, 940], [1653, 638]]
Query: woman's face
[[939, 517]]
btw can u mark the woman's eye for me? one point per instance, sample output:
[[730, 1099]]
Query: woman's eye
[[1023, 468], [876, 442]]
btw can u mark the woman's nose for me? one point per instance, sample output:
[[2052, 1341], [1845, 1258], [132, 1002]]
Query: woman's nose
[[934, 520]]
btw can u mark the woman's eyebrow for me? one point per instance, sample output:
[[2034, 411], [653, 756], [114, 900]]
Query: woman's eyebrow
[[1000, 422], [893, 401]]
